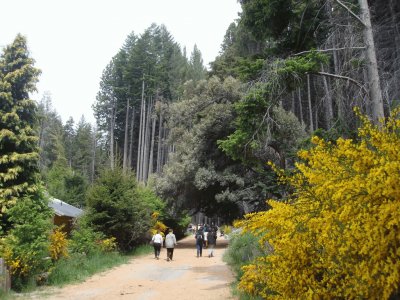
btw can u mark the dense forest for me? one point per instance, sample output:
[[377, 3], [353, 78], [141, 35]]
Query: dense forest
[[202, 138], [289, 74]]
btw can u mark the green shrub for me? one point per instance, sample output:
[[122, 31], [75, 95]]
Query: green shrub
[[243, 248], [116, 209], [84, 239], [26, 247]]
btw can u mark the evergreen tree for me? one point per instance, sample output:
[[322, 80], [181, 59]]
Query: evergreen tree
[[197, 71], [115, 208], [51, 133], [18, 139]]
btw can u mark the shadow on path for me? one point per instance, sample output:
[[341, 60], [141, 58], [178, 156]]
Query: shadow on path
[[189, 242]]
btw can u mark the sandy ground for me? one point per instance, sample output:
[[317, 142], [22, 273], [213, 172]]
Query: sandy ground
[[145, 278]]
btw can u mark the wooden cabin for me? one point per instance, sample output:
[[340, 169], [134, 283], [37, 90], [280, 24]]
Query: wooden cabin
[[64, 214]]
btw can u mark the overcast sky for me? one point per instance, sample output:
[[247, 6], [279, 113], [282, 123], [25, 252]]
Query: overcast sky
[[73, 40]]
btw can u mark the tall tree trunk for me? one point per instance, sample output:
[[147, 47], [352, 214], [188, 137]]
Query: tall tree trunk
[[328, 102], [147, 142], [372, 65], [112, 125], [131, 139], [139, 152], [125, 159], [159, 145], [309, 104], [93, 155], [375, 92], [153, 132], [336, 62], [141, 177], [300, 106], [395, 18]]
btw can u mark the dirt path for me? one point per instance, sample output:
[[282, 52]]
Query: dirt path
[[144, 278]]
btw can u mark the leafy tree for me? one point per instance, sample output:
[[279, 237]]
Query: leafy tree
[[18, 139], [26, 246], [290, 25], [337, 234], [263, 130], [116, 210], [199, 176], [242, 55]]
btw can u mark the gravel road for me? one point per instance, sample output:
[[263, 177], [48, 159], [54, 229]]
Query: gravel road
[[145, 278]]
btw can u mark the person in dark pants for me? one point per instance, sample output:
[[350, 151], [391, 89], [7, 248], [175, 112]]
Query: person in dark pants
[[212, 241], [199, 236], [157, 240], [170, 243]]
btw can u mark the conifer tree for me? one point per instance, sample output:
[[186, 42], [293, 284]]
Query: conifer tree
[[18, 140]]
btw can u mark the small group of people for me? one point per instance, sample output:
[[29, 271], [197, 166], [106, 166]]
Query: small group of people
[[206, 237], [170, 243]]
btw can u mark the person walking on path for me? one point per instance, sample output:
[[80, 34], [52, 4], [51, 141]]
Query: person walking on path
[[212, 241], [170, 243], [157, 240], [199, 236]]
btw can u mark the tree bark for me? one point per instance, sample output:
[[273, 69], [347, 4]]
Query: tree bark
[[159, 145], [93, 155], [147, 143], [112, 125], [153, 132], [300, 106], [328, 102], [309, 104], [139, 152], [131, 139], [372, 65], [125, 159]]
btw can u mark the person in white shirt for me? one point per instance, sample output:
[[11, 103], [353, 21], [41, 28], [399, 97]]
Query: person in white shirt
[[157, 240], [170, 243]]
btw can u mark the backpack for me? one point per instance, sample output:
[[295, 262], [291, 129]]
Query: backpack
[[199, 237]]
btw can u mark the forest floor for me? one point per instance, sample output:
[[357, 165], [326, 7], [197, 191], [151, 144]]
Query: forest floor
[[145, 278]]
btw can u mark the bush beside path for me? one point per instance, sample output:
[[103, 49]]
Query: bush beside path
[[186, 277]]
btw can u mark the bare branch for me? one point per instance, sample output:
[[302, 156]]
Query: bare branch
[[343, 78], [329, 50], [351, 12]]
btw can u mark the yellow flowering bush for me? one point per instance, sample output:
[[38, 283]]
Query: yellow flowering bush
[[157, 224], [58, 244], [108, 245], [338, 234]]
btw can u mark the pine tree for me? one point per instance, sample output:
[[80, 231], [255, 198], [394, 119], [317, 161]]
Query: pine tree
[[18, 140]]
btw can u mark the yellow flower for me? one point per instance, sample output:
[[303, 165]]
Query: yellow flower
[[338, 236]]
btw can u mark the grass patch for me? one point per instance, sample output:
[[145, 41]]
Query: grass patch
[[242, 250], [78, 267], [7, 296]]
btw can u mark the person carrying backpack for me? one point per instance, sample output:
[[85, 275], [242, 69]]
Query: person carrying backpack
[[199, 236], [212, 241]]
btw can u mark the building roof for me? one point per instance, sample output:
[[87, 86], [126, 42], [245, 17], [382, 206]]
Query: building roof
[[62, 208]]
